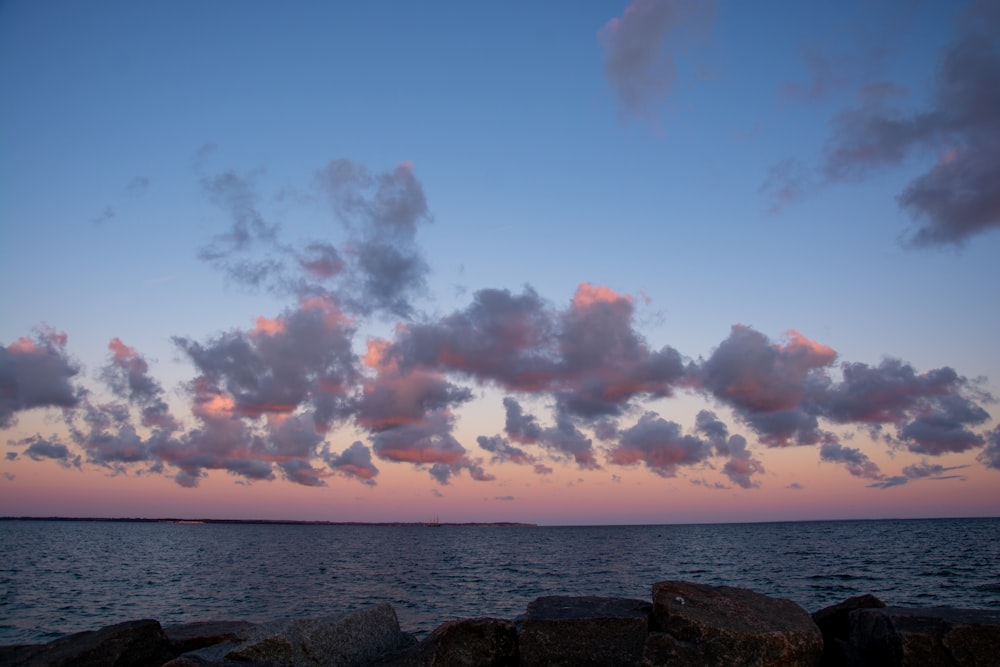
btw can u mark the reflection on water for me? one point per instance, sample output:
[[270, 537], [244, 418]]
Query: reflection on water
[[61, 577]]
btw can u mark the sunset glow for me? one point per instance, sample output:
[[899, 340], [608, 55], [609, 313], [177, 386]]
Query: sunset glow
[[619, 263]]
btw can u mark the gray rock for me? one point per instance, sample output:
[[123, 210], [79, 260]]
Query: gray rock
[[352, 639], [933, 636], [474, 642], [582, 631], [834, 623], [187, 637], [722, 625], [129, 644]]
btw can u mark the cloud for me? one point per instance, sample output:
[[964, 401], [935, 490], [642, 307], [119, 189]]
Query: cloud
[[588, 355], [520, 427], [301, 357], [355, 462], [767, 384], [660, 445], [382, 212], [856, 461], [300, 472], [639, 48], [40, 449], [990, 456], [503, 451], [137, 185], [931, 470], [741, 466], [36, 373], [957, 198], [128, 377]]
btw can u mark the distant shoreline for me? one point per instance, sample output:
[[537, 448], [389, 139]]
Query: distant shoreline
[[284, 522]]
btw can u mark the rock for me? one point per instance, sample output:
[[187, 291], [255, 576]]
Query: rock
[[721, 625], [834, 623], [187, 637], [129, 644], [352, 639], [581, 631], [490, 642], [932, 636]]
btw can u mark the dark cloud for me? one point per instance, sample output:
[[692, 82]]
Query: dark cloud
[[354, 462], [856, 461], [382, 212], [565, 439], [944, 427], [639, 48], [888, 393], [605, 362], [741, 466], [321, 260], [589, 355], [300, 472], [501, 337], [767, 384], [36, 373], [40, 449], [931, 470], [660, 445], [990, 456], [128, 377], [284, 363], [502, 451], [395, 397], [889, 482], [427, 441], [520, 427], [956, 198]]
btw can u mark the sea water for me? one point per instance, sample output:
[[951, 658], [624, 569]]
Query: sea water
[[58, 577]]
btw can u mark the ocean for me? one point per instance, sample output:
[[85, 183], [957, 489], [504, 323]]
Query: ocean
[[59, 577]]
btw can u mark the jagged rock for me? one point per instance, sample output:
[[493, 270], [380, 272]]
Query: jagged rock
[[486, 642], [187, 637], [585, 630], [697, 624], [933, 636], [834, 623], [129, 644]]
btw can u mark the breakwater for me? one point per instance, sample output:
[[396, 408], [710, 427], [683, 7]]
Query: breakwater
[[683, 623]]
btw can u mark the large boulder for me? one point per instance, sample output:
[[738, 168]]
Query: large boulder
[[351, 639], [697, 624], [932, 636], [474, 642], [581, 631], [835, 624], [186, 637], [129, 644]]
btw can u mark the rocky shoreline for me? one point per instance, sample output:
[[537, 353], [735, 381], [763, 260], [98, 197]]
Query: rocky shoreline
[[683, 624]]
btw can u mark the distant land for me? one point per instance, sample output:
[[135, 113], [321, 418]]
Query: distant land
[[289, 522]]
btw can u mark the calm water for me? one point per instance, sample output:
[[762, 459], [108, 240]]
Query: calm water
[[62, 577]]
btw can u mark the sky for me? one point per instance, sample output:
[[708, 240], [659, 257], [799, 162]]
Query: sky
[[564, 263]]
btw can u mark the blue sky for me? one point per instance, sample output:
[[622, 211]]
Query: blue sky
[[824, 169]]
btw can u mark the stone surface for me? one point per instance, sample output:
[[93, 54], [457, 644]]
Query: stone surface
[[932, 636], [129, 644], [187, 637], [585, 630], [351, 639], [834, 623], [721, 625], [486, 642]]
